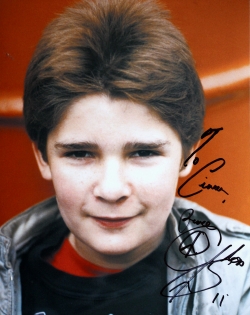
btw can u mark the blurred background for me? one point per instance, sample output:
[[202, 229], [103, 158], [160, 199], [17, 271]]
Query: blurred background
[[218, 35]]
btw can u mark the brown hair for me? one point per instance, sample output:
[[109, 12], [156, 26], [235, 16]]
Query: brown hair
[[125, 49]]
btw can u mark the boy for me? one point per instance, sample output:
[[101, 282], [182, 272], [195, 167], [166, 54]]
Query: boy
[[114, 106]]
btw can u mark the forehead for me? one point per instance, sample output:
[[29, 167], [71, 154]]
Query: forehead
[[98, 116], [98, 103]]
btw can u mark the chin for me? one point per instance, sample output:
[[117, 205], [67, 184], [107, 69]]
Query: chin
[[115, 247]]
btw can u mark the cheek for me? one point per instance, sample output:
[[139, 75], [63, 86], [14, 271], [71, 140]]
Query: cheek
[[157, 183], [69, 187], [70, 200]]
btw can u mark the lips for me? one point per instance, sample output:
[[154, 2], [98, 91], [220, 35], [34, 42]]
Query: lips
[[112, 223]]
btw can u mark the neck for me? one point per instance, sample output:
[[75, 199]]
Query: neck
[[114, 261]]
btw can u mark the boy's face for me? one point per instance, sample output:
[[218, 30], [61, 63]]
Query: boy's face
[[115, 166]]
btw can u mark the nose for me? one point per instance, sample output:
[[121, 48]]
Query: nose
[[112, 185]]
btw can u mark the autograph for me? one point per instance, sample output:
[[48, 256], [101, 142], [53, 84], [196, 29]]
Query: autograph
[[194, 242], [216, 165]]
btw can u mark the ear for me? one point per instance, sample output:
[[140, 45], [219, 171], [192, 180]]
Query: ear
[[42, 164], [185, 170]]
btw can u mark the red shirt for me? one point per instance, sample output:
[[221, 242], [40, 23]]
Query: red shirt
[[68, 260]]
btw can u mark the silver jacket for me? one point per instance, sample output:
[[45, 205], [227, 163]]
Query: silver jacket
[[207, 259]]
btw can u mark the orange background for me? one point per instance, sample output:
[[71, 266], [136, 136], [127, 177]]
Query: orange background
[[218, 35]]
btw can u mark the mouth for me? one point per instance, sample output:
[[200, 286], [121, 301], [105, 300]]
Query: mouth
[[112, 223]]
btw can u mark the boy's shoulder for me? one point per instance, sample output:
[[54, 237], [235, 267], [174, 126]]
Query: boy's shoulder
[[184, 208], [31, 224], [212, 250]]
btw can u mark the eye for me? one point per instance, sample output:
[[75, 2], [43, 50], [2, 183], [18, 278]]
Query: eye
[[144, 153], [79, 154]]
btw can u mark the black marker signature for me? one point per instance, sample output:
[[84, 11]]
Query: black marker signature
[[219, 163], [189, 249], [203, 185], [211, 131], [187, 217], [220, 300], [213, 187]]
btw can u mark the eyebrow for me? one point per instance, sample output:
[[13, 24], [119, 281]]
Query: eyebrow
[[77, 145], [145, 145], [129, 146]]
